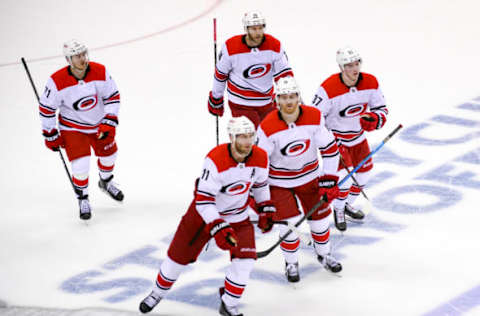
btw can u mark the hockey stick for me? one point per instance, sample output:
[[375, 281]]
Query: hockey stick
[[215, 59], [78, 192], [353, 178], [264, 253]]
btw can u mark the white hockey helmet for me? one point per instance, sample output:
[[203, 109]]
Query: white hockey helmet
[[287, 85], [72, 48], [252, 18], [347, 55], [240, 125]]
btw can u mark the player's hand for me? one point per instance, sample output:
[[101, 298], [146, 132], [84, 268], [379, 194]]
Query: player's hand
[[215, 106], [107, 128], [223, 233], [53, 140], [266, 210], [328, 186], [369, 121]]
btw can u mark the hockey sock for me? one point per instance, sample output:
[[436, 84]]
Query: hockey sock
[[167, 275], [80, 168], [339, 203], [106, 165], [321, 235], [236, 279], [290, 245]]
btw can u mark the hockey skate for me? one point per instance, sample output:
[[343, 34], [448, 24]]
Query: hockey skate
[[354, 214], [149, 302], [109, 187], [339, 218], [84, 206], [227, 310], [291, 272], [330, 263]]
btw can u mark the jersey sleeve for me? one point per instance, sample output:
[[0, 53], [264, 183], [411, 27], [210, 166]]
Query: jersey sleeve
[[207, 189], [281, 67], [48, 106], [328, 148], [110, 95], [321, 101], [377, 105], [222, 69], [261, 189]]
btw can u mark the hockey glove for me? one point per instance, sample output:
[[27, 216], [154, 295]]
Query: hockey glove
[[266, 210], [369, 121], [215, 106], [223, 233], [107, 127], [53, 139], [328, 187]]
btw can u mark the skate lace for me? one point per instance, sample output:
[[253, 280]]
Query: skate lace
[[340, 214], [152, 299], [232, 310], [84, 206], [351, 208], [330, 261], [292, 269], [112, 188]]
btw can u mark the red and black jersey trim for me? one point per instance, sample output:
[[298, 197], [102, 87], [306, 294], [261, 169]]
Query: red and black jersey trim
[[114, 98], [220, 76], [67, 122], [330, 150], [347, 136], [283, 73], [204, 198], [248, 93], [291, 174], [257, 185], [46, 111], [236, 210]]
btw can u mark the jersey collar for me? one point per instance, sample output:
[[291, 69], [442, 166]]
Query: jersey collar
[[245, 42], [84, 76], [360, 77], [231, 156], [299, 115]]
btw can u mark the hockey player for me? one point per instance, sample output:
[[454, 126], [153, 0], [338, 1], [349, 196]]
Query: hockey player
[[292, 136], [220, 210], [88, 101], [352, 104], [248, 64]]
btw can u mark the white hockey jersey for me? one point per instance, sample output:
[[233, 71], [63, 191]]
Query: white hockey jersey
[[249, 72], [342, 106], [223, 189], [81, 103], [293, 148]]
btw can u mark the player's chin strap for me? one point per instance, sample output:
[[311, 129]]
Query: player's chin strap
[[77, 191], [264, 253]]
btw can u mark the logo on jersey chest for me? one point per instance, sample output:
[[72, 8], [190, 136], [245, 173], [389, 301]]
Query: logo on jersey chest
[[256, 71], [236, 188], [85, 103], [353, 110], [295, 148]]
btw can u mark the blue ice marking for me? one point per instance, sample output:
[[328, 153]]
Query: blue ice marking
[[442, 174], [447, 119], [379, 178], [389, 200], [388, 156], [190, 293], [82, 283], [139, 257], [470, 106], [472, 157], [458, 305], [411, 135]]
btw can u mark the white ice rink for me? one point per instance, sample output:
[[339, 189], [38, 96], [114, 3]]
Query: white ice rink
[[418, 252]]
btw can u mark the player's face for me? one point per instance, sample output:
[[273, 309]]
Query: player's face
[[243, 143], [80, 61], [288, 103], [352, 70], [255, 33]]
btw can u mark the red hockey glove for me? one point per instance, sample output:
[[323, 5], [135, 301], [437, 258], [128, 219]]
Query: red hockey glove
[[107, 127], [369, 121], [328, 186], [266, 210], [53, 139], [223, 233], [215, 106]]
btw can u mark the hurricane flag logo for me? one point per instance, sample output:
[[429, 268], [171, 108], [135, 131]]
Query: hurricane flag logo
[[296, 148]]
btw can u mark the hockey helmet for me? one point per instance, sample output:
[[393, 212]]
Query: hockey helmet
[[347, 55], [253, 18], [240, 125]]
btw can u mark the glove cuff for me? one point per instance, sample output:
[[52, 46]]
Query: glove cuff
[[111, 120], [216, 226], [214, 102]]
